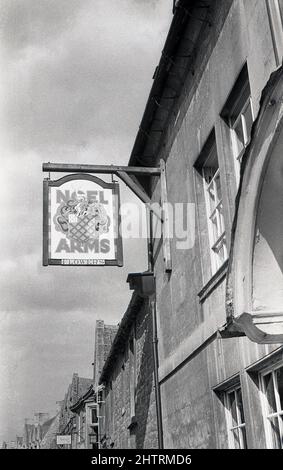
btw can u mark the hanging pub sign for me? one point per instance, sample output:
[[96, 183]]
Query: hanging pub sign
[[81, 222]]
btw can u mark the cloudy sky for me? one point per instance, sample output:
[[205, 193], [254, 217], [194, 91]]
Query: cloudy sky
[[75, 76]]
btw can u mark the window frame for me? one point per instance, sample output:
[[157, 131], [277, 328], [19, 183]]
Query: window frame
[[229, 419], [247, 138], [264, 403], [218, 241], [79, 428], [275, 14], [91, 408], [233, 112], [91, 427]]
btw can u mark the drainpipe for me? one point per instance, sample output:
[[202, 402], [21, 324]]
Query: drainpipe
[[144, 285], [155, 370], [152, 302]]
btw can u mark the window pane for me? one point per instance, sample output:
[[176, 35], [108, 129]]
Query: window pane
[[279, 376], [214, 228], [248, 120], [94, 418], [218, 188], [281, 9], [221, 219], [209, 173], [280, 419], [239, 137], [240, 405], [213, 195], [276, 438], [269, 390], [212, 198], [233, 408], [221, 251], [244, 438], [236, 438]]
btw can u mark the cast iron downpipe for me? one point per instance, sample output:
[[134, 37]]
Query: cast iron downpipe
[[155, 369], [152, 301]]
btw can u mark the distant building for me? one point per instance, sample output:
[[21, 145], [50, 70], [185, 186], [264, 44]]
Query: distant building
[[104, 336], [127, 409], [36, 431], [20, 442], [84, 409], [11, 445], [87, 421], [67, 419], [50, 429]]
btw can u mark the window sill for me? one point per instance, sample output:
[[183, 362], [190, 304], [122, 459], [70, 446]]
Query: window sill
[[213, 282]]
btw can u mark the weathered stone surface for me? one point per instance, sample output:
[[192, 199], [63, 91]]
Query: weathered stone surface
[[119, 428]]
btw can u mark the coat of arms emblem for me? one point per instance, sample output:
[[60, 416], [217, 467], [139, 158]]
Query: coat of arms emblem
[[81, 219]]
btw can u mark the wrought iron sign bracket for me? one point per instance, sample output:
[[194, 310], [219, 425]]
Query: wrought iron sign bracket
[[129, 174]]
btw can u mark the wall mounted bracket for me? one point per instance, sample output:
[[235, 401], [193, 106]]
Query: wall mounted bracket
[[129, 175]]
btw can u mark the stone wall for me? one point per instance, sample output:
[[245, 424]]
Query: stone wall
[[130, 417], [191, 304]]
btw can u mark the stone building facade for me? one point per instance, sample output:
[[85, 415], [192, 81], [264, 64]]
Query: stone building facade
[[86, 420], [78, 415], [68, 419], [128, 409], [39, 432], [49, 440], [104, 336], [214, 116]]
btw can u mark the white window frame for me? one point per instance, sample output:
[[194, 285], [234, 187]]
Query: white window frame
[[79, 428], [264, 403], [276, 26], [215, 243], [240, 118], [91, 408], [89, 424], [229, 419]]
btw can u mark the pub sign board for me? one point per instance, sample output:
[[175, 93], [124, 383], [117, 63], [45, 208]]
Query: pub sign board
[[81, 222]]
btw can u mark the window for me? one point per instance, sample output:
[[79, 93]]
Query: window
[[214, 207], [100, 398], [235, 418], [272, 402], [93, 416], [93, 427], [239, 116], [241, 126], [81, 427], [275, 12]]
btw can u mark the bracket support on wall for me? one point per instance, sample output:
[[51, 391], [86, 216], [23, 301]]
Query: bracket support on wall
[[128, 174]]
